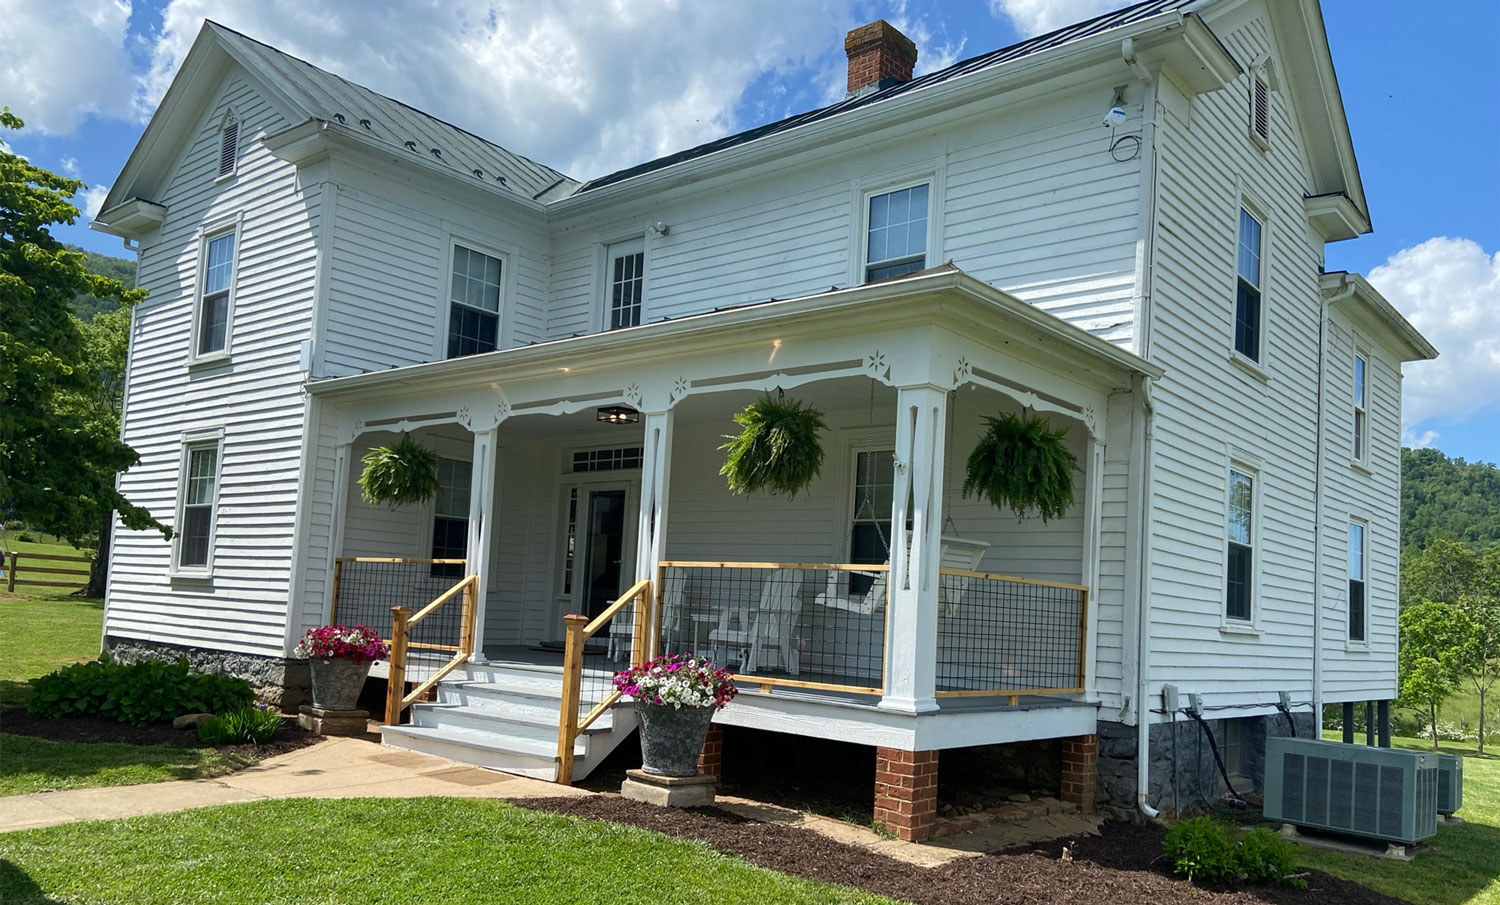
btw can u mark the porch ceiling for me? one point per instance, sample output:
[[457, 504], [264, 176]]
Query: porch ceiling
[[942, 296]]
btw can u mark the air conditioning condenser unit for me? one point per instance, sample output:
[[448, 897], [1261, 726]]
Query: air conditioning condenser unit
[[1381, 793]]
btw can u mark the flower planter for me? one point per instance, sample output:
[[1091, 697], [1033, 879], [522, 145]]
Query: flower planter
[[672, 737], [337, 682]]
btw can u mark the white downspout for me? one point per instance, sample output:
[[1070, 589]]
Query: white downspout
[[1346, 289], [1145, 262]]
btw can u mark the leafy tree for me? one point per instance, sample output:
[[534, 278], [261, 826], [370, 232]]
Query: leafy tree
[[58, 455], [86, 306], [1433, 636], [1480, 655], [1443, 497], [1444, 571]]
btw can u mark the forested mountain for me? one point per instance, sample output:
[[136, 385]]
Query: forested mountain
[[1443, 497], [122, 269]]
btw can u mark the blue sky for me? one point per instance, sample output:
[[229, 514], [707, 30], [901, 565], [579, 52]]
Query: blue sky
[[588, 90]]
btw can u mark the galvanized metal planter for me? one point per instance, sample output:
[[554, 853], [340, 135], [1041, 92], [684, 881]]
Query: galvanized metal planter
[[336, 683], [671, 739]]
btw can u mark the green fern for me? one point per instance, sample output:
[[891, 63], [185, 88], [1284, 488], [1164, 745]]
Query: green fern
[[778, 450], [1022, 464], [399, 475]]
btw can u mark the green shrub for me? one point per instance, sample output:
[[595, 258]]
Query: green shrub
[[245, 726], [148, 691], [26, 538], [1202, 849]]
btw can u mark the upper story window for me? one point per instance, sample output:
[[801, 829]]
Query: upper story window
[[229, 145], [450, 516], [1361, 421], [217, 287], [1357, 559], [1240, 574], [626, 284], [197, 504], [897, 238], [474, 302], [1247, 303]]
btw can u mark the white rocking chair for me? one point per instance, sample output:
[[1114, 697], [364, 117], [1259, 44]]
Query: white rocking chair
[[776, 621], [962, 554]]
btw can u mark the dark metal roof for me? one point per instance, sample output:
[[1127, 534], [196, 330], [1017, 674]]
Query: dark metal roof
[[1097, 25]]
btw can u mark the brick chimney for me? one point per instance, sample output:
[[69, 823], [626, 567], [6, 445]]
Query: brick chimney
[[879, 57]]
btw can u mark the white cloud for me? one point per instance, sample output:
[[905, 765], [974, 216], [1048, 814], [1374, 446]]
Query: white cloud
[[69, 166], [933, 53], [90, 199], [582, 85], [1035, 17], [1450, 290], [1412, 439], [63, 60]]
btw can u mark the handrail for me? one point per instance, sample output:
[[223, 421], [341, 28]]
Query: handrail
[[579, 630], [436, 562], [402, 621], [1015, 579]]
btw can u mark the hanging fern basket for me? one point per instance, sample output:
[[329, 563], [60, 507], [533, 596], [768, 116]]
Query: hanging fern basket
[[778, 449], [1021, 464], [399, 475]]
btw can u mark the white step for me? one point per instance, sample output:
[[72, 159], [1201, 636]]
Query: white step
[[510, 707], [444, 716], [524, 757]]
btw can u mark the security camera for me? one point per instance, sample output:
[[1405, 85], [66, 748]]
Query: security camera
[[1115, 116]]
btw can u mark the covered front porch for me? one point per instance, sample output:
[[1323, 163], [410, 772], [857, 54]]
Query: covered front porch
[[879, 604]]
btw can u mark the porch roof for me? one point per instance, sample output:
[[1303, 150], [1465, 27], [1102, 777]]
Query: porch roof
[[944, 295]]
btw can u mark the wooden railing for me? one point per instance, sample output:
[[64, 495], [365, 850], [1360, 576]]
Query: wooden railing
[[402, 623], [580, 629], [13, 570], [1006, 636]]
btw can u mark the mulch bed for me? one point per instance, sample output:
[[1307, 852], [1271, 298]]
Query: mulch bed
[[1120, 867], [289, 737]]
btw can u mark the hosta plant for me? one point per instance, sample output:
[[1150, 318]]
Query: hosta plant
[[359, 643], [399, 475], [778, 448], [677, 681]]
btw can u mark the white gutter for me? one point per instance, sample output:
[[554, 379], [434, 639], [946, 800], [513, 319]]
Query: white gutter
[[1346, 289], [1143, 620], [1146, 249]]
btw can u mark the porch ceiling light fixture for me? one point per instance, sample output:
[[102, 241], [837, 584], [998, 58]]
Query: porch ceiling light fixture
[[617, 414]]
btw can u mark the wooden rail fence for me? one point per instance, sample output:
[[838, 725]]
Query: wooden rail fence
[[14, 570], [580, 629], [402, 622]]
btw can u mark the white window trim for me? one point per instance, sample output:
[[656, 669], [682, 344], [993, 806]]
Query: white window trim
[[852, 442], [630, 479], [1251, 467], [206, 234], [1351, 644], [864, 189], [189, 440], [604, 268], [507, 255], [238, 145], [429, 506], [1258, 369], [1361, 435]]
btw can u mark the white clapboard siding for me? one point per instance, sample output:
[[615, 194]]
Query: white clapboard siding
[[1354, 671], [244, 605], [1208, 408]]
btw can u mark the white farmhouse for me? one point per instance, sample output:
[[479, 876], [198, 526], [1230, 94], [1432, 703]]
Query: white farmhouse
[[330, 269]]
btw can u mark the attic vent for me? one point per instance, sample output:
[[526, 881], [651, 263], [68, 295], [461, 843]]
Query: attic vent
[[1260, 107], [229, 145]]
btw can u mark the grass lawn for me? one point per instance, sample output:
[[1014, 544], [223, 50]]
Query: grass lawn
[[380, 851], [42, 634], [1460, 867], [42, 543], [30, 764]]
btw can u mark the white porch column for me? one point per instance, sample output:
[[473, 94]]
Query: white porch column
[[341, 456], [911, 626], [481, 514], [1093, 499], [656, 469]]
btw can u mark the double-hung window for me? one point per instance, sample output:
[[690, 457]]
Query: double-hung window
[[474, 302], [1247, 302], [218, 285], [1361, 422], [450, 516], [626, 283], [1357, 566], [1240, 574], [896, 241], [195, 525]]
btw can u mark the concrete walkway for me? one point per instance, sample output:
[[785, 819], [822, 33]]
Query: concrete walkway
[[333, 768]]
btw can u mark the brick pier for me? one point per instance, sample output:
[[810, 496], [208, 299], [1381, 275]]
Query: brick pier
[[906, 792]]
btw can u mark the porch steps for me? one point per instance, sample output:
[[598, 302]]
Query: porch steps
[[504, 716]]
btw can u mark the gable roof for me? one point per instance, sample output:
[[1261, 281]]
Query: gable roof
[[1097, 25]]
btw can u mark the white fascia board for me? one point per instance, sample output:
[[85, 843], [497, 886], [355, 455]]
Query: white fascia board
[[1149, 35], [129, 219], [963, 300], [1335, 217], [313, 140], [1377, 315]]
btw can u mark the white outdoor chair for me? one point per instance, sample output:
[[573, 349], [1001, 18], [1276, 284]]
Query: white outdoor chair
[[837, 595], [732, 635], [957, 553], [776, 620]]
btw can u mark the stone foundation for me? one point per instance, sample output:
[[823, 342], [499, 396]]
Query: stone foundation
[[275, 680], [1197, 776]]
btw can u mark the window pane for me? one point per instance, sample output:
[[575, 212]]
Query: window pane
[[897, 231], [454, 477], [1356, 551], [1249, 256], [1241, 502], [213, 323], [1359, 380], [1356, 610], [220, 265], [1237, 596], [894, 270], [200, 475], [471, 332], [1247, 322], [627, 285], [197, 521]]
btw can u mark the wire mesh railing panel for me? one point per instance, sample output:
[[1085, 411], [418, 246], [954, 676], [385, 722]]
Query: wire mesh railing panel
[[367, 589], [1001, 635], [791, 624]]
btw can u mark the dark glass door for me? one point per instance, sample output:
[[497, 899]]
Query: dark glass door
[[604, 548]]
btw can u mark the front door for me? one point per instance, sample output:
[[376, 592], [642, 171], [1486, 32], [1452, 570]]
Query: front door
[[603, 561]]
